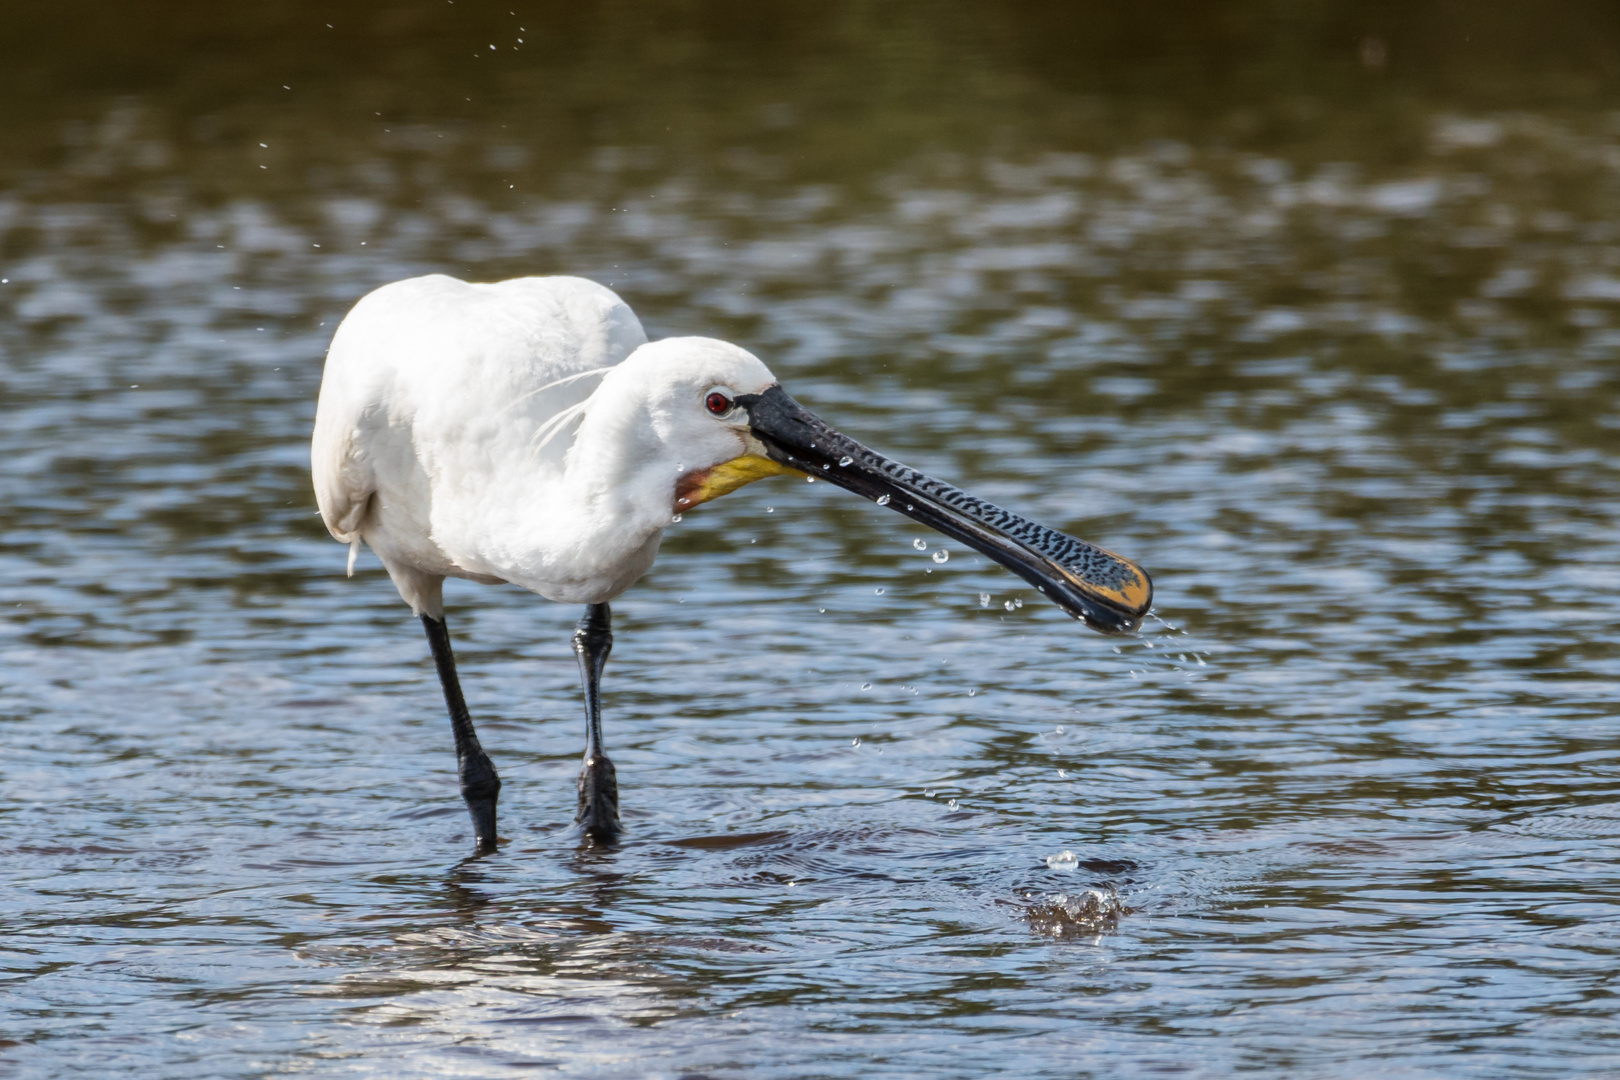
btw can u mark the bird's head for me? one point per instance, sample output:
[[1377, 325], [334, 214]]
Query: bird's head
[[714, 418]]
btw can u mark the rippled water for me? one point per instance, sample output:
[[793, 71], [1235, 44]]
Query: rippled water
[[1345, 384]]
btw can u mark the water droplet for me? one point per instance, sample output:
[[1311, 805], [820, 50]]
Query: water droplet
[[984, 599], [941, 555], [1200, 660], [883, 500], [683, 501], [1018, 603], [1182, 657], [676, 520], [1063, 860], [910, 507], [770, 509], [857, 742], [1058, 730], [822, 610], [950, 804], [809, 479], [1008, 604], [920, 544], [844, 461], [928, 793], [1063, 774], [879, 590], [972, 691], [824, 468]]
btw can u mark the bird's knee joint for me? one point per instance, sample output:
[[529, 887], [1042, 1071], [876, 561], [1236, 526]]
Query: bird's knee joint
[[481, 788], [592, 639]]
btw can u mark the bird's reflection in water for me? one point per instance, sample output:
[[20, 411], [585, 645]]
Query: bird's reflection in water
[[471, 894], [596, 869], [463, 896]]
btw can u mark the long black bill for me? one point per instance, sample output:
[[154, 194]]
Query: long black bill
[[1110, 593]]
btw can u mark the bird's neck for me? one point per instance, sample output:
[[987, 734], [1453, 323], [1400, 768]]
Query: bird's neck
[[615, 480]]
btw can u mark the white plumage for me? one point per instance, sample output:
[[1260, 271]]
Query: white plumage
[[522, 431]]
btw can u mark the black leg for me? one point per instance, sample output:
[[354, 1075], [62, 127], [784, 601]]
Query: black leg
[[479, 784], [598, 784]]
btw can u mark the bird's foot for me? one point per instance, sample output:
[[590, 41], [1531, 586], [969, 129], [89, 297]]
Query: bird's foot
[[481, 789], [598, 814]]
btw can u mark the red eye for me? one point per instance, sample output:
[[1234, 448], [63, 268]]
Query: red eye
[[717, 403]]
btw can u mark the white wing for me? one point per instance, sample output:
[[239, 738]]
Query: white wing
[[433, 377]]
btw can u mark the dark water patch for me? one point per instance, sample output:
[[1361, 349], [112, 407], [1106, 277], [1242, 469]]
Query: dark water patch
[[726, 843]]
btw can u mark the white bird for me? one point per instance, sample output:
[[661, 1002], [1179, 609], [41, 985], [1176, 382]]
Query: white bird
[[527, 432]]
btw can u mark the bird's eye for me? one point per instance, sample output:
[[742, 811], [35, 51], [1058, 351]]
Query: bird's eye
[[717, 402]]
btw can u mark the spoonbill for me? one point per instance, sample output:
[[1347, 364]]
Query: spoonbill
[[527, 431]]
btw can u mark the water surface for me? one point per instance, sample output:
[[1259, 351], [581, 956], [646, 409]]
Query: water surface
[[1317, 318]]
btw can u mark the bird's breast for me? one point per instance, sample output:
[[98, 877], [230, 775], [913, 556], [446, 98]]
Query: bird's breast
[[551, 539]]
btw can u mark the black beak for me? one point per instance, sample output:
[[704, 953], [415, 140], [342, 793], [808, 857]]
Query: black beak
[[1110, 593]]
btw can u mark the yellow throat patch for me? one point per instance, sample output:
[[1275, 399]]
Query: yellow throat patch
[[728, 476]]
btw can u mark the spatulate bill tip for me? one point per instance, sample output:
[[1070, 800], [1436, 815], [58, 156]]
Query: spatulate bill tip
[[1117, 610], [1106, 620]]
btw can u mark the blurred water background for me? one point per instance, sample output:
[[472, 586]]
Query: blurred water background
[[1314, 308]]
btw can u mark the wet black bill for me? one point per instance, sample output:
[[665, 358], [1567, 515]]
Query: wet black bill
[[1109, 592]]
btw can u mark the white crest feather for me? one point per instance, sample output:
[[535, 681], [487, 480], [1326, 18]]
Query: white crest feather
[[554, 426], [564, 381]]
